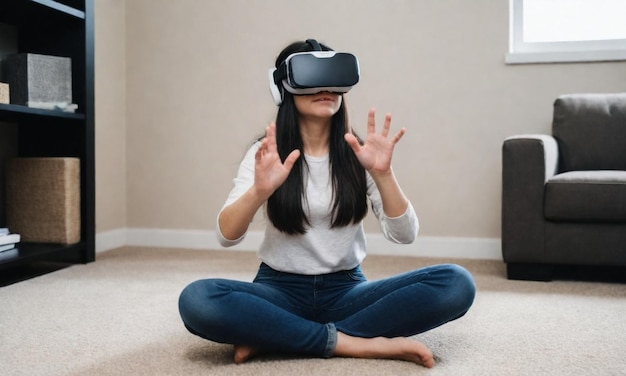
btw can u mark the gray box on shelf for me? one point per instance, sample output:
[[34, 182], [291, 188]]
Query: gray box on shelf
[[38, 79], [43, 199]]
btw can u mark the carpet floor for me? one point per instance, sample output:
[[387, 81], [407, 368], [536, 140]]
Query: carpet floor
[[118, 316]]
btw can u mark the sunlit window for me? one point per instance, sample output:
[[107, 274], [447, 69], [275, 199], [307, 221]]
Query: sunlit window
[[567, 30]]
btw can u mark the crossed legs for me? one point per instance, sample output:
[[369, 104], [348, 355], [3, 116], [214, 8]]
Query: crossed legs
[[371, 320]]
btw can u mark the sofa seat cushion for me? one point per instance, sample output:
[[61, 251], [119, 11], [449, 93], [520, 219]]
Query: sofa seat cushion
[[592, 196]]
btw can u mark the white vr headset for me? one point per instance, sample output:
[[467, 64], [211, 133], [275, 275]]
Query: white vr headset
[[313, 72]]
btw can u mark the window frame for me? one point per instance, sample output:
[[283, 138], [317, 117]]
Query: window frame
[[521, 52]]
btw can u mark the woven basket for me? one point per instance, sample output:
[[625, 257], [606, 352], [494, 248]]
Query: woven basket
[[43, 199]]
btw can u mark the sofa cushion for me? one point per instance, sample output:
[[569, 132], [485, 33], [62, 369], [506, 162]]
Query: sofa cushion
[[590, 130], [593, 196]]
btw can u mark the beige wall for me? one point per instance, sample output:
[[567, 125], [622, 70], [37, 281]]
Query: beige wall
[[195, 93], [110, 88]]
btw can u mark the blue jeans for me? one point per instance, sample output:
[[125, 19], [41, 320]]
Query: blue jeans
[[291, 313]]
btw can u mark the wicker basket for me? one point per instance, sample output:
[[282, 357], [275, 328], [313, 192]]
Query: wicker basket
[[43, 199]]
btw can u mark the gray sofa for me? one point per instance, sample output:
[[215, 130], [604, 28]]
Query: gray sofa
[[564, 195]]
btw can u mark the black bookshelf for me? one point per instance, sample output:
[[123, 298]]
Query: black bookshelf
[[17, 113], [58, 28]]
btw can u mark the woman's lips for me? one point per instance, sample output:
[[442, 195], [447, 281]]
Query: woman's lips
[[324, 99]]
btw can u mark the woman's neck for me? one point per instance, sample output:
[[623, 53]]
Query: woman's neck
[[315, 136]]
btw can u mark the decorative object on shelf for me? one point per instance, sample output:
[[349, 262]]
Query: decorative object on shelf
[[39, 81], [43, 199], [4, 93]]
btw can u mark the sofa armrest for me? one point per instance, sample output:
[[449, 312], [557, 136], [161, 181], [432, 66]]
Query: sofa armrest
[[528, 161], [550, 150]]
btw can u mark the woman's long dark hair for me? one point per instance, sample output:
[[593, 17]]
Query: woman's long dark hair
[[285, 207]]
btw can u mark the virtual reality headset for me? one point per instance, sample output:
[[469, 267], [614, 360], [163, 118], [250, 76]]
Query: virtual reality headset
[[313, 72]]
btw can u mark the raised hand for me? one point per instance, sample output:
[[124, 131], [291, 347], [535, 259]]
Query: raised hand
[[376, 152], [269, 171]]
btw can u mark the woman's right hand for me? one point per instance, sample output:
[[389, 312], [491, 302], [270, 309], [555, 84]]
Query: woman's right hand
[[269, 171]]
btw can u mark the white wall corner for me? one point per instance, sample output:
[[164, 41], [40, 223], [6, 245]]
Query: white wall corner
[[425, 246]]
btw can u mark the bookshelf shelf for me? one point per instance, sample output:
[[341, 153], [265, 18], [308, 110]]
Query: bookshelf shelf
[[60, 7], [31, 252], [12, 112], [57, 28]]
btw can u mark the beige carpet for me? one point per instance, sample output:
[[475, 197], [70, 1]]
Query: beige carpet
[[118, 316]]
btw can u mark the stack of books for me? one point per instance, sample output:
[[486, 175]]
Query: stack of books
[[8, 243]]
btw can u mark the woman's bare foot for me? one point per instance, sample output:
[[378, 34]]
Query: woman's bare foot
[[400, 348], [243, 353]]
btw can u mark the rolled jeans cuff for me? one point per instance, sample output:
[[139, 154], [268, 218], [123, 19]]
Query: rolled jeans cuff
[[331, 342]]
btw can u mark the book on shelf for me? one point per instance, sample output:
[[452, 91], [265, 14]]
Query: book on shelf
[[9, 239], [6, 247], [4, 231]]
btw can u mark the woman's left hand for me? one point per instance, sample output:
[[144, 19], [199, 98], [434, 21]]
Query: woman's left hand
[[375, 154]]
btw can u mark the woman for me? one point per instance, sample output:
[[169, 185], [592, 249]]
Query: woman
[[315, 177]]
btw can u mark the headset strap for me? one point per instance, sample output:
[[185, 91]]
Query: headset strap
[[281, 72], [313, 43]]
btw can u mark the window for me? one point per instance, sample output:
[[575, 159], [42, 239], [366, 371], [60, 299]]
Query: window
[[549, 31]]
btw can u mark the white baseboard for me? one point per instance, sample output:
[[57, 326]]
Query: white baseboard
[[110, 239], [425, 246]]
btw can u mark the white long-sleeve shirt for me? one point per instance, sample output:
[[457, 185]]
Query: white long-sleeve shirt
[[321, 249]]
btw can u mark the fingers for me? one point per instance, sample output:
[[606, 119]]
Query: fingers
[[269, 147], [261, 150], [270, 136], [352, 141], [291, 159], [371, 125], [386, 125], [398, 135], [371, 121]]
